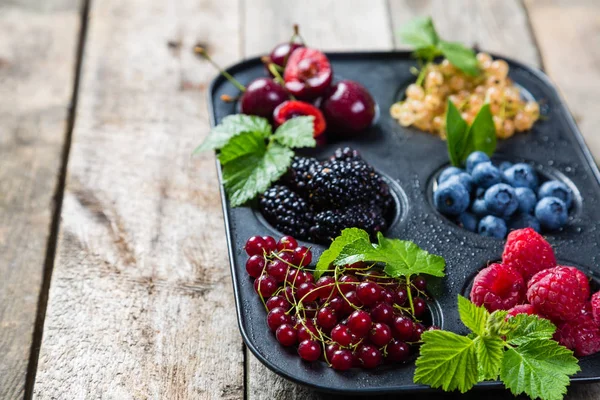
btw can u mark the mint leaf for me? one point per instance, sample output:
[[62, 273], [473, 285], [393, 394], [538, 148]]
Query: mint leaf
[[460, 56], [456, 128], [402, 258], [539, 368], [481, 136], [527, 328], [448, 361], [489, 356], [296, 132], [231, 126], [348, 236], [475, 318], [419, 33], [250, 166]]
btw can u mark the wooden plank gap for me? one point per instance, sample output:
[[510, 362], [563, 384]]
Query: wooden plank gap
[[534, 37], [55, 223]]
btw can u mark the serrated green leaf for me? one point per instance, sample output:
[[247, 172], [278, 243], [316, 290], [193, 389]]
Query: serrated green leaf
[[419, 33], [481, 135], [296, 132], [527, 328], [231, 126], [349, 235], [402, 258], [460, 56], [538, 368], [475, 318], [447, 360], [250, 169], [497, 324], [456, 129], [489, 356]]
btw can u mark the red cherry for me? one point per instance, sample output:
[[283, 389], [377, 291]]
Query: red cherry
[[307, 74], [280, 53], [294, 108], [261, 97], [348, 107]]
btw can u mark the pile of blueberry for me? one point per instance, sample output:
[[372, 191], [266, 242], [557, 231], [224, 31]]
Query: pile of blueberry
[[492, 200]]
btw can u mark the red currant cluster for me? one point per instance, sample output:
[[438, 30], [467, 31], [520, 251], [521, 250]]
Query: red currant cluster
[[356, 316]]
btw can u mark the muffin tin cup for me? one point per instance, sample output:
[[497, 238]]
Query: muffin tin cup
[[410, 160]]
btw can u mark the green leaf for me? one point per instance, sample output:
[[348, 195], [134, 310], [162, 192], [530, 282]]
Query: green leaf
[[474, 317], [447, 360], [460, 56], [250, 167], [497, 324], [231, 126], [296, 132], [481, 136], [529, 327], [419, 33], [489, 356], [348, 236], [456, 129], [402, 258], [539, 368]]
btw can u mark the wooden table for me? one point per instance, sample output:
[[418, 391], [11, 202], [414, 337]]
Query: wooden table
[[114, 278]]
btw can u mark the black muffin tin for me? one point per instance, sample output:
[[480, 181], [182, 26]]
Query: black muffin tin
[[411, 160]]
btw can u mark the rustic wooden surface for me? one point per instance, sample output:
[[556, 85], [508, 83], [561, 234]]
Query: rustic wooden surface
[[140, 303], [38, 46]]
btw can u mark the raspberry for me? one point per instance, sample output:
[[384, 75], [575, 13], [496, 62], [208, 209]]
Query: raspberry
[[556, 293], [582, 335], [498, 287], [584, 283], [528, 252], [596, 307], [521, 309]]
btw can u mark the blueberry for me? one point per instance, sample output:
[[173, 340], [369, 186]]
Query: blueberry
[[468, 221], [557, 189], [491, 226], [501, 200], [552, 213], [521, 175], [479, 193], [479, 208], [476, 158], [451, 198], [527, 200], [485, 175], [464, 179], [504, 165], [447, 173], [522, 221]]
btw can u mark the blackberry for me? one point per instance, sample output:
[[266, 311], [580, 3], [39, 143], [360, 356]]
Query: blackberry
[[346, 154], [299, 173], [338, 184], [286, 211], [329, 224]]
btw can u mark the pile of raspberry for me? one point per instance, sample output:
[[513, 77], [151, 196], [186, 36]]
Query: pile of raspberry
[[529, 281]]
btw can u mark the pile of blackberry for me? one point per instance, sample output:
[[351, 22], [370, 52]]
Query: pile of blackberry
[[316, 200]]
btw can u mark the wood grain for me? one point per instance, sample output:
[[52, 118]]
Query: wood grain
[[141, 304], [568, 33], [37, 72], [499, 26]]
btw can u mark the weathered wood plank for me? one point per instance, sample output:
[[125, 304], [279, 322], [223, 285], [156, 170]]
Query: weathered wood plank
[[37, 72], [568, 33], [141, 304], [499, 26]]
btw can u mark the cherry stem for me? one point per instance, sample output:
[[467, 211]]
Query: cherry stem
[[278, 78], [228, 99], [200, 50], [296, 36]]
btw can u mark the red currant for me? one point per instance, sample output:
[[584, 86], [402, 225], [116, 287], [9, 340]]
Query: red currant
[[403, 328], [302, 256], [306, 330], [330, 349], [265, 286], [380, 334], [417, 332], [420, 306], [401, 296], [372, 276], [287, 243], [387, 296], [309, 350], [277, 317], [383, 312], [278, 301], [310, 309], [286, 256], [341, 360], [338, 305], [347, 283], [341, 335], [306, 292], [254, 246], [369, 355], [369, 293], [359, 323], [352, 298], [326, 285], [419, 283], [398, 351], [277, 269], [326, 318], [288, 294], [270, 244], [286, 335], [255, 266], [306, 276]]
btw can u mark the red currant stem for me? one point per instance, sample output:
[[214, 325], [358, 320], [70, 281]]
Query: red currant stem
[[282, 260], [200, 50], [409, 293]]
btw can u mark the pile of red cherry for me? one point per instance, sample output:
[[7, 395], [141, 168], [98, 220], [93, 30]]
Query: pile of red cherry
[[301, 85], [357, 317]]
